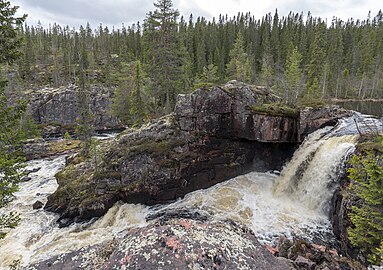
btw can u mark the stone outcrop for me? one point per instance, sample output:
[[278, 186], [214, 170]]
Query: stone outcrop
[[226, 112], [175, 243], [305, 255], [311, 119], [40, 148], [60, 106], [214, 135]]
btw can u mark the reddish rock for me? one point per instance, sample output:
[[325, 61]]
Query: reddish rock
[[273, 250]]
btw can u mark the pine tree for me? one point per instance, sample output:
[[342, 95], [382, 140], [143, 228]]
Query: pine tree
[[163, 53], [10, 133]]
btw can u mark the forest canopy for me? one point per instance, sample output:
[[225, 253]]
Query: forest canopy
[[297, 55]]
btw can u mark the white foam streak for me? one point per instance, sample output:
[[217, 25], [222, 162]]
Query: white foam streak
[[38, 237]]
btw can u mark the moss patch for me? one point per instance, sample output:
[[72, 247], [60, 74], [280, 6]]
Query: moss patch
[[313, 103], [63, 146], [275, 109]]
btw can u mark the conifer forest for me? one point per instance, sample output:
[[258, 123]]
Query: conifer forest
[[296, 55]]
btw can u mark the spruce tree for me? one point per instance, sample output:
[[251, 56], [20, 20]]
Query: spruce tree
[[84, 128], [10, 116], [238, 67], [293, 75], [163, 53], [316, 62], [367, 218], [209, 75]]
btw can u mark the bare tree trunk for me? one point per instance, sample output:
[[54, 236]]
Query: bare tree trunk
[[360, 87], [324, 84], [336, 88]]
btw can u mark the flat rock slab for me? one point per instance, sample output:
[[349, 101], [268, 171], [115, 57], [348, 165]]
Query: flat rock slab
[[175, 244]]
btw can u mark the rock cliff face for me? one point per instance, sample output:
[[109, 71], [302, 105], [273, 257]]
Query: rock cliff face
[[226, 112], [60, 106], [212, 136]]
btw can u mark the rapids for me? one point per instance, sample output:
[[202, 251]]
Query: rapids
[[294, 203]]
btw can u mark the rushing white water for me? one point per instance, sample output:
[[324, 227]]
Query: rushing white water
[[309, 177], [293, 203], [37, 237]]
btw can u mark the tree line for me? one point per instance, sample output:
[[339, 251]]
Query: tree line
[[299, 56]]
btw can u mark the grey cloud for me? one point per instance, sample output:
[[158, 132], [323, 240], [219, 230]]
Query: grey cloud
[[107, 12]]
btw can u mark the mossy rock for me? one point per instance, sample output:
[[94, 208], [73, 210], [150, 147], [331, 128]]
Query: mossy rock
[[63, 146], [275, 109]]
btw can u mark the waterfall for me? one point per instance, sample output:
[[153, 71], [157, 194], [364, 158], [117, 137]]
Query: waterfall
[[311, 174], [293, 203]]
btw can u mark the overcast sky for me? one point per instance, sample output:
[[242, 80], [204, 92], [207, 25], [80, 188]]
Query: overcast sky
[[117, 12]]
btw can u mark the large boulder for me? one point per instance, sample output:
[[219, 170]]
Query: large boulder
[[40, 148], [175, 243], [164, 160], [214, 135], [311, 119], [227, 112]]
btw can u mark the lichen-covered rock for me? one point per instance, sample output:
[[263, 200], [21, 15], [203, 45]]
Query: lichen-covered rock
[[175, 244], [88, 258]]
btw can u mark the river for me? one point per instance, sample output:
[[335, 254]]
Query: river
[[294, 202]]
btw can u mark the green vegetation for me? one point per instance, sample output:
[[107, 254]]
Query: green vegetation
[[275, 109], [367, 215], [11, 132], [164, 54]]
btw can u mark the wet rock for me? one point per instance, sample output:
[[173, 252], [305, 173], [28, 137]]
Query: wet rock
[[314, 256], [311, 119], [341, 205], [284, 244], [26, 178], [38, 205]]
